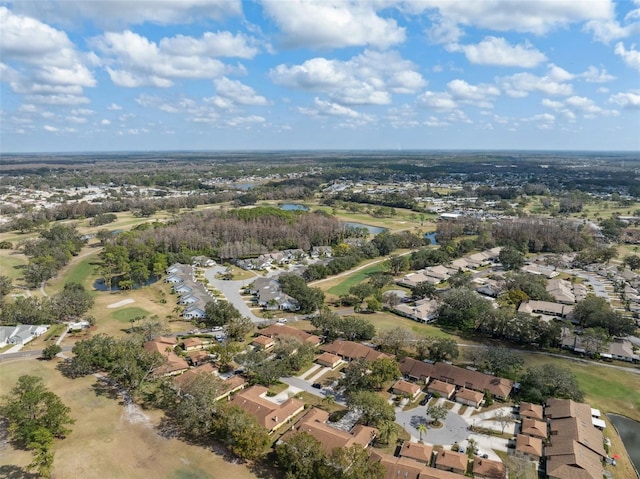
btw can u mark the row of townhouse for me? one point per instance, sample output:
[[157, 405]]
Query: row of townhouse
[[448, 380], [270, 297], [280, 258], [620, 349], [192, 294]]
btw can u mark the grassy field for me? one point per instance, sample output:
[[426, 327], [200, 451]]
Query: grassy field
[[127, 314], [107, 441], [10, 263], [353, 279]]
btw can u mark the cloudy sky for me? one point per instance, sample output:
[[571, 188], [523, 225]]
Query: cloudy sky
[[97, 75]]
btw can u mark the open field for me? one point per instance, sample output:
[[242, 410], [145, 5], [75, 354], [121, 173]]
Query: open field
[[356, 278], [10, 263], [109, 442]]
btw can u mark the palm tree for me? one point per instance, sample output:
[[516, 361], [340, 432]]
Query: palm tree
[[329, 400], [422, 429], [386, 429]]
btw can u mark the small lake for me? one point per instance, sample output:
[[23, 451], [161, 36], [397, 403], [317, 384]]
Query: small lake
[[293, 207], [100, 285], [629, 431], [374, 230], [433, 237]]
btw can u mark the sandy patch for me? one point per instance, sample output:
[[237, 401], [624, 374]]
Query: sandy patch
[[121, 303]]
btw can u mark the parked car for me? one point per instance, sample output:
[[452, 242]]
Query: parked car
[[316, 385]]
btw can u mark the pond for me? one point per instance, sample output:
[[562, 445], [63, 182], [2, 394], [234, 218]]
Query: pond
[[293, 207], [374, 230], [433, 237], [629, 431], [100, 285]]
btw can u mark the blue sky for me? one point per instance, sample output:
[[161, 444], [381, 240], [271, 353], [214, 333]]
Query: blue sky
[[296, 74]]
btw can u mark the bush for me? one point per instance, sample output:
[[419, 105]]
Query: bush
[[50, 351]]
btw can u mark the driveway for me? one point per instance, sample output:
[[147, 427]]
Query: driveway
[[231, 291], [303, 385], [455, 428]]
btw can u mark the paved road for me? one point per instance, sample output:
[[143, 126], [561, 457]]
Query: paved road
[[231, 291], [36, 353], [306, 386], [455, 428]]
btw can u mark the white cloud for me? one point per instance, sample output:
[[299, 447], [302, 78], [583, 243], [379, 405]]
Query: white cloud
[[631, 56], [46, 61], [105, 122], [332, 24], [497, 51], [521, 84], [403, 116], [369, 78], [50, 128], [607, 30], [220, 44], [105, 13], [577, 104], [326, 108], [479, 95], [238, 93], [628, 100], [141, 62], [538, 17], [593, 75], [114, 107], [437, 101]]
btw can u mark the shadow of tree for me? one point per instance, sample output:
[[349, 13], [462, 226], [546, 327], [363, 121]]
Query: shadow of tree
[[16, 472], [104, 388]]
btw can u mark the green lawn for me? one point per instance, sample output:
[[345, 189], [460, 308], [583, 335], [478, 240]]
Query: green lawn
[[127, 314], [354, 279], [10, 264]]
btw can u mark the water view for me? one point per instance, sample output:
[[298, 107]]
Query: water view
[[433, 237], [293, 207], [629, 431], [374, 230]]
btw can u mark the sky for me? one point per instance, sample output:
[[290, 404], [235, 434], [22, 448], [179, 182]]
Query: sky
[[96, 75]]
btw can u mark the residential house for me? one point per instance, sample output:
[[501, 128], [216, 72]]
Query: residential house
[[349, 350], [488, 469], [539, 270], [194, 312], [413, 279], [531, 411], [182, 288], [314, 422], [561, 290], [173, 364], [404, 388], [321, 252], [469, 397], [21, 334], [417, 451], [269, 414], [192, 344], [203, 261], [528, 447], [441, 388], [173, 278], [417, 370], [231, 385], [452, 461], [398, 467], [572, 460], [263, 342], [546, 308], [431, 473], [423, 310], [328, 360], [196, 358], [534, 428], [277, 330]]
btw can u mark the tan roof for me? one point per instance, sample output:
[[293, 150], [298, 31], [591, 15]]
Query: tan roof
[[398, 467], [416, 451], [192, 342], [164, 346], [191, 374], [488, 468], [431, 473], [441, 387], [416, 369], [560, 408], [263, 341], [197, 356], [534, 427], [352, 350], [314, 423], [269, 414], [452, 459], [531, 410], [328, 358], [529, 445], [404, 387], [276, 330], [469, 395]]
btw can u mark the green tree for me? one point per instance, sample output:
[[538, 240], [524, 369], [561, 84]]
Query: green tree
[[383, 370], [443, 349], [511, 258], [463, 309], [196, 407], [353, 463], [72, 302], [423, 290], [502, 361], [437, 413], [301, 456], [51, 351], [397, 264], [220, 313], [239, 327], [549, 380], [6, 286], [633, 261], [241, 433], [394, 340], [596, 312], [374, 408], [422, 430]]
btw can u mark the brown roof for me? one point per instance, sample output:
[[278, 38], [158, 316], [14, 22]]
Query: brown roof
[[405, 387], [573, 461], [533, 427], [398, 467], [328, 358], [314, 423], [452, 460], [529, 445], [416, 451], [192, 343], [276, 330], [560, 408], [579, 429], [533, 411], [441, 387], [191, 374], [488, 468], [352, 350], [461, 377], [269, 414], [469, 395], [197, 356]]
